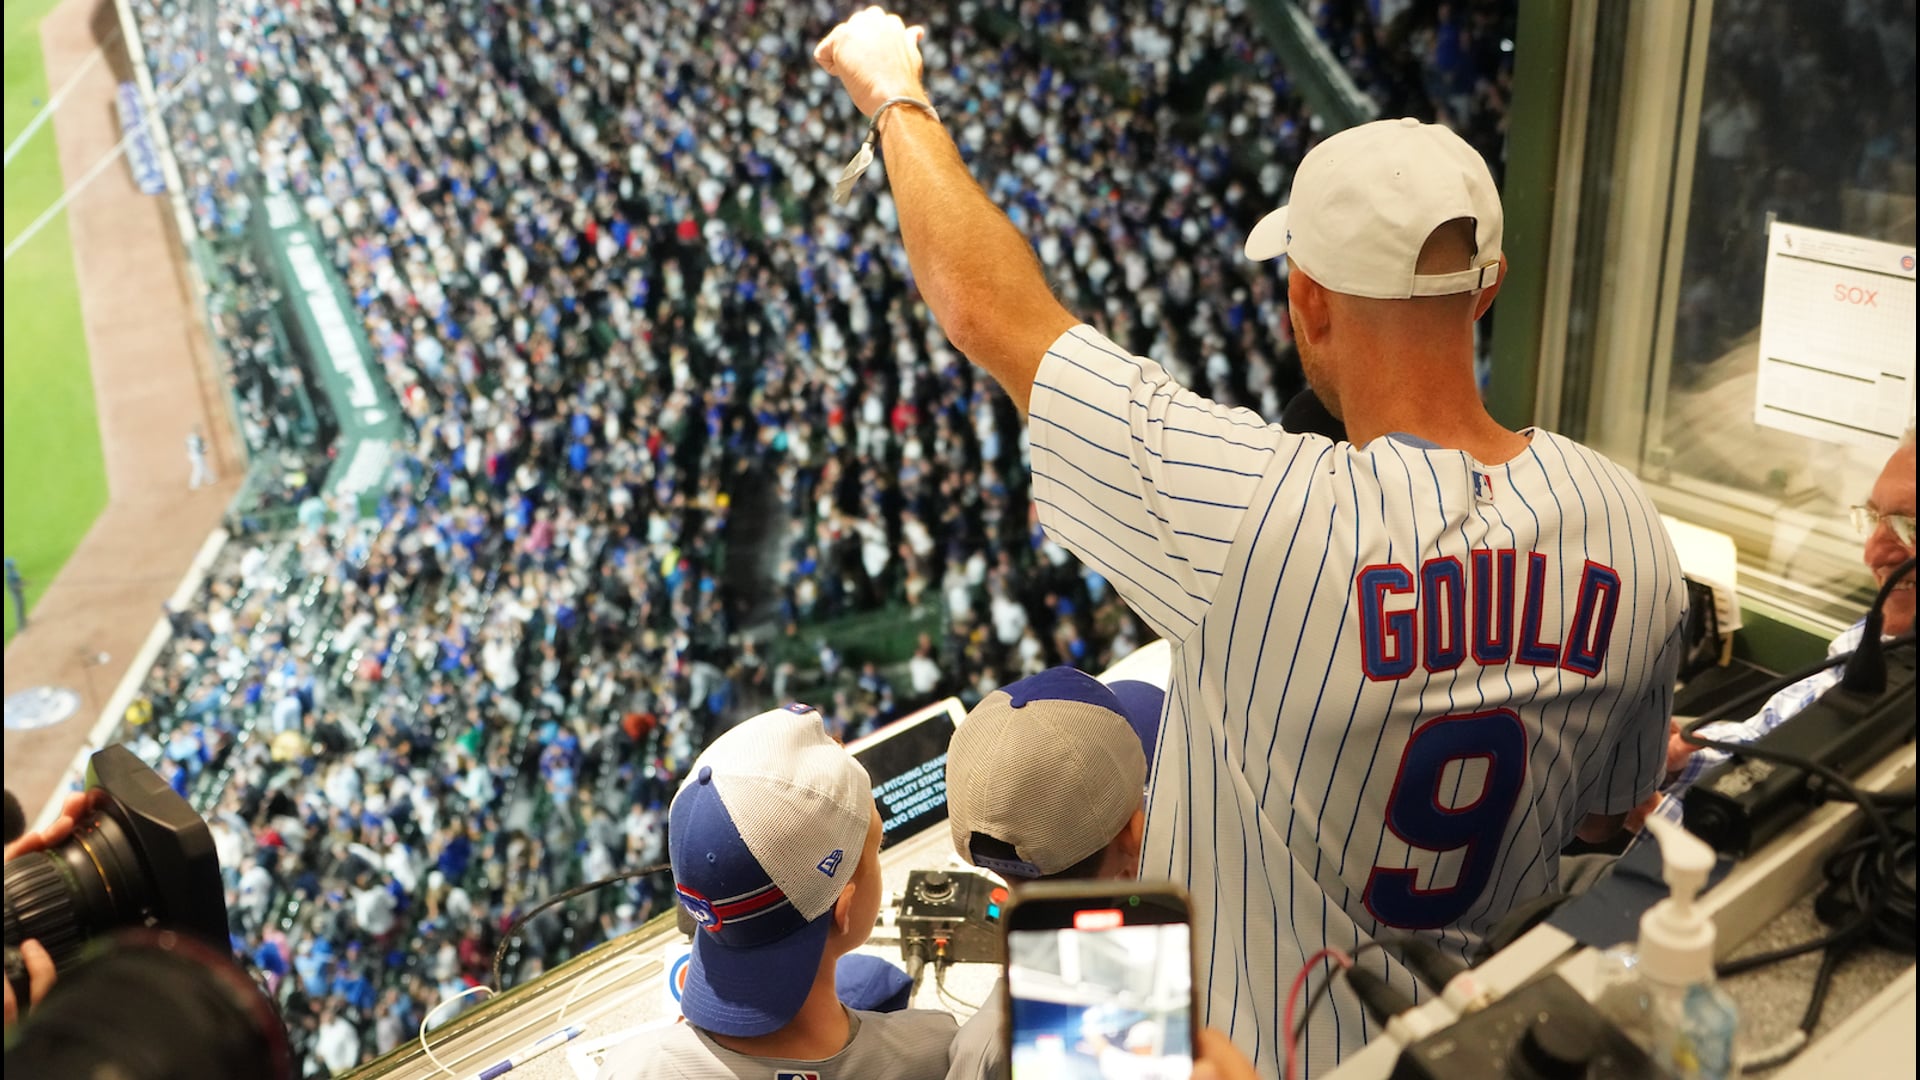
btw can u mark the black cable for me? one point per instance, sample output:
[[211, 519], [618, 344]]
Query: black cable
[[1730, 968], [1879, 895], [1734, 707], [1840, 785], [1867, 671], [1852, 874], [1834, 786], [1429, 963], [1822, 982], [940, 988], [513, 930], [1882, 900], [1377, 995], [1325, 988], [1848, 862], [1890, 800], [1787, 1049]]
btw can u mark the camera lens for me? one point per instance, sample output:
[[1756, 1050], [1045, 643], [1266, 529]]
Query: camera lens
[[62, 897], [138, 856]]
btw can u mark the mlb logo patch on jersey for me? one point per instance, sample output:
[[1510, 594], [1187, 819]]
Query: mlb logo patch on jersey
[[795, 1074], [1482, 486]]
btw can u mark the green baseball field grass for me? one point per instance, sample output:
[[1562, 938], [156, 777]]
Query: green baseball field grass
[[56, 481]]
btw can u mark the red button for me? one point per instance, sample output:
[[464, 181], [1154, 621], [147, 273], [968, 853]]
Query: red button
[[998, 896]]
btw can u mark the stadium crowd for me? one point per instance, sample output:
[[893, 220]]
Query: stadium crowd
[[595, 257], [1444, 61]]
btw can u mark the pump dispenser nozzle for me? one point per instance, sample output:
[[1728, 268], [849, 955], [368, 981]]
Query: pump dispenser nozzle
[[1676, 939]]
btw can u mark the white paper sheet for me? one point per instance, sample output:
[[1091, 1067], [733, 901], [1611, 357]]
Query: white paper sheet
[[1836, 337]]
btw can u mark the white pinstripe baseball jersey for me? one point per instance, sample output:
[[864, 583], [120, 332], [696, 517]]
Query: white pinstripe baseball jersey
[[1401, 678]]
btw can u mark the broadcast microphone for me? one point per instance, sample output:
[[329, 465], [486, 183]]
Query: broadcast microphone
[[1866, 671]]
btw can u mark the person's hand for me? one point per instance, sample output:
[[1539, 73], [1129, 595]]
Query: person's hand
[[1637, 817], [1220, 1059], [73, 807], [39, 979], [39, 963], [876, 56], [1678, 748]]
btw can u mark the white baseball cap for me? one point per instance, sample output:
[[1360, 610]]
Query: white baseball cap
[[764, 836], [1365, 201], [1046, 771]]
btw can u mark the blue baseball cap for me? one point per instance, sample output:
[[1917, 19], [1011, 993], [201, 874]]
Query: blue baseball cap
[[764, 836], [871, 984], [1141, 703]]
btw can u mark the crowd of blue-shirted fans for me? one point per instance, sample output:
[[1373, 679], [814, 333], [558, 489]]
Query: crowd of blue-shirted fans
[[595, 257]]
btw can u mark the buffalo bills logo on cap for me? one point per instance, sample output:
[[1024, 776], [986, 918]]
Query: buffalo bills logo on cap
[[831, 864], [700, 908]]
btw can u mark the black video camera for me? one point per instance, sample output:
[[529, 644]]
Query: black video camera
[[139, 857]]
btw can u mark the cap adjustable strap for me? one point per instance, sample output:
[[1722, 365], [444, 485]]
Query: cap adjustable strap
[[1480, 277]]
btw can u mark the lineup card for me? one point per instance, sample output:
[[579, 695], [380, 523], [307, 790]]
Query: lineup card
[[1836, 337]]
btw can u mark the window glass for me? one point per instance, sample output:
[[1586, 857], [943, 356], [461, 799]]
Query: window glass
[[1807, 118]]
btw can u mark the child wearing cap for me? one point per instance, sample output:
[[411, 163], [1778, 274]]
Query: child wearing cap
[[1047, 779], [775, 844]]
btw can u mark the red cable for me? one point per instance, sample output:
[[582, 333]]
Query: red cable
[[1293, 995]]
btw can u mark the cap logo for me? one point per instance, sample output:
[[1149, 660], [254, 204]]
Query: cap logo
[[831, 864], [714, 914], [699, 907]]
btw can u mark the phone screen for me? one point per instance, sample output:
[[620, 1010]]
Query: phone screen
[[1101, 989]]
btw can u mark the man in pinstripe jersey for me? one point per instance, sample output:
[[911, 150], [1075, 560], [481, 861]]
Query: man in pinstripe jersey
[[1408, 668]]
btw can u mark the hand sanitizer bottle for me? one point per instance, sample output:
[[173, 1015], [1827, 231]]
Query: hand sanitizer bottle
[[1664, 995]]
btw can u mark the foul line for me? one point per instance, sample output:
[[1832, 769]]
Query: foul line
[[140, 128], [53, 103]]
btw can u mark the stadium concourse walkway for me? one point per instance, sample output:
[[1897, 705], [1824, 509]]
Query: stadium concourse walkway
[[154, 380]]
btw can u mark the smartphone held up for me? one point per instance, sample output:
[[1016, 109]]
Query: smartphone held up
[[1100, 982]]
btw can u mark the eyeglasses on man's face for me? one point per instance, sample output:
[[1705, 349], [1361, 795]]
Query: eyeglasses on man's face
[[1866, 519]]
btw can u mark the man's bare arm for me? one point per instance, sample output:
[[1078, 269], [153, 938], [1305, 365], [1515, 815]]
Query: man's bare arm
[[975, 270], [973, 267]]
